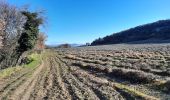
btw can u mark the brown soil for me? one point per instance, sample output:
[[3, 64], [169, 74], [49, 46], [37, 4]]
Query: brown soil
[[57, 79]]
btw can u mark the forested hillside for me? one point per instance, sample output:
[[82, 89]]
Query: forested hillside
[[152, 32]]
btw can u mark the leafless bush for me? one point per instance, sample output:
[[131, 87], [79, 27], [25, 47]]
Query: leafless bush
[[40, 45]]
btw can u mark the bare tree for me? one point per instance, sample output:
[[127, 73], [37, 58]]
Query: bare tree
[[14, 22], [11, 23], [40, 45]]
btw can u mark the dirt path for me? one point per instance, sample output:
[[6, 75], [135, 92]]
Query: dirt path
[[54, 79], [24, 90]]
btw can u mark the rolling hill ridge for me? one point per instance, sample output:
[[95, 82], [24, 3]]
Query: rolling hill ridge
[[149, 33]]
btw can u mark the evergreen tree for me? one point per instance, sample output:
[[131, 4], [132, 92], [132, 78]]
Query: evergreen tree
[[29, 38]]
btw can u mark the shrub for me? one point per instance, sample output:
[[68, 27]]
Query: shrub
[[26, 60]]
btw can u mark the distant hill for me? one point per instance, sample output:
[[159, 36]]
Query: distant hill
[[153, 32], [65, 45]]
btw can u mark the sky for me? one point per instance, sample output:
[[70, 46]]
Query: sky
[[82, 21]]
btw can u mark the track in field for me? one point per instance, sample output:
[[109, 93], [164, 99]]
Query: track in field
[[57, 79]]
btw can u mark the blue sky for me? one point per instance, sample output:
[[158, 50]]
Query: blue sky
[[81, 21]]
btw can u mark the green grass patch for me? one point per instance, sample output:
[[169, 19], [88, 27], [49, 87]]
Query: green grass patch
[[9, 71], [35, 61]]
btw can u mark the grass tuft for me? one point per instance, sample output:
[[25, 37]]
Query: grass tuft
[[9, 71], [36, 59]]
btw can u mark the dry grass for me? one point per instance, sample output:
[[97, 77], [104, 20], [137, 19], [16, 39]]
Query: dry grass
[[133, 75], [130, 75], [146, 65], [134, 92]]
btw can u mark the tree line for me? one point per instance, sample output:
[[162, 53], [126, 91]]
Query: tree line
[[159, 30], [19, 33]]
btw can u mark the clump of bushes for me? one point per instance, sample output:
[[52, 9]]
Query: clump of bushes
[[26, 60], [20, 33]]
